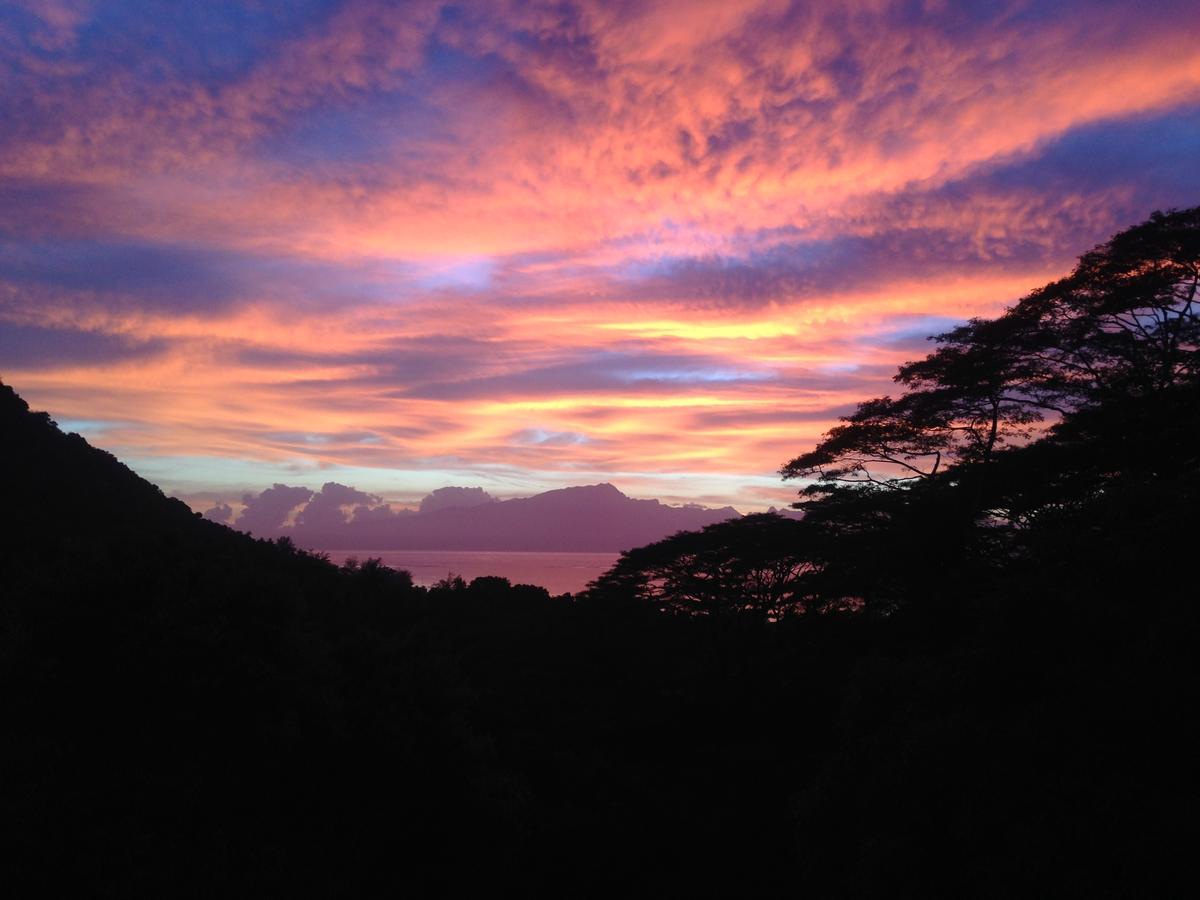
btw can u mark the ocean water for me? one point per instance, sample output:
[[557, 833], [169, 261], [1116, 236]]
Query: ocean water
[[558, 573]]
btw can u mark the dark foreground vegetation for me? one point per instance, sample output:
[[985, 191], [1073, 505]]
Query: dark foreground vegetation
[[969, 670]]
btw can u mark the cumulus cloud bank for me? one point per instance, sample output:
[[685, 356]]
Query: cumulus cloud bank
[[582, 518], [455, 498], [266, 513]]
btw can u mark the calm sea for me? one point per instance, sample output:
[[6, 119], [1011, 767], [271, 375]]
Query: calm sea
[[556, 572]]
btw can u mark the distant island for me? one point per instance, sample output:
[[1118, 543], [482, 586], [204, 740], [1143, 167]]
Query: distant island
[[591, 518]]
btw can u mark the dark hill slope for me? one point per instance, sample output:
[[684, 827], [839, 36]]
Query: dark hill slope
[[189, 711], [77, 519]]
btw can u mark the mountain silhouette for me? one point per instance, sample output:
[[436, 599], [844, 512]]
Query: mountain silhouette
[[596, 518]]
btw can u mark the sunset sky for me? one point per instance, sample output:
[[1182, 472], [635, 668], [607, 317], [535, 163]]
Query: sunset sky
[[529, 245]]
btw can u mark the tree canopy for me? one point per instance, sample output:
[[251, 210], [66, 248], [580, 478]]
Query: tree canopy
[[1124, 323], [1011, 426]]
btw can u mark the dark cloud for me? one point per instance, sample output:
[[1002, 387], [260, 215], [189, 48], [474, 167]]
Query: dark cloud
[[29, 347], [371, 517], [1011, 215], [130, 275], [326, 509], [455, 497], [31, 210], [1042, 208], [823, 268], [266, 513], [1155, 152], [212, 42], [593, 371], [747, 418], [390, 361], [591, 517], [222, 513]]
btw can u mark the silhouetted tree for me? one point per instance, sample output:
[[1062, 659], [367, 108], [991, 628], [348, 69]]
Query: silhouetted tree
[[1125, 323], [755, 565], [912, 494]]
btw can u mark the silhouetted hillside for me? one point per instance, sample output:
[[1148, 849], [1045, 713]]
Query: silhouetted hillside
[[190, 710], [75, 511]]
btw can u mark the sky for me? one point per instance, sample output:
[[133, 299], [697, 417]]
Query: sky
[[529, 245]]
